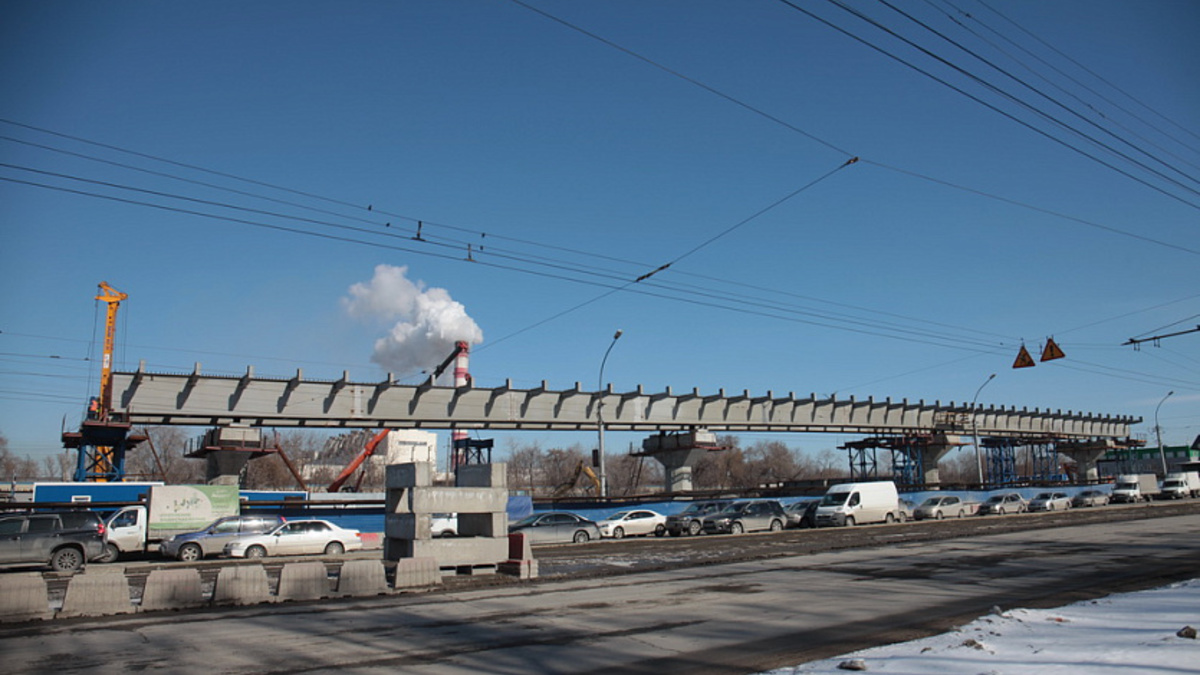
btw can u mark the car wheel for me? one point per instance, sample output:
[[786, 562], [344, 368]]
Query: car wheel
[[694, 528], [961, 514], [889, 518], [190, 552], [776, 526], [849, 521], [1002, 511], [334, 548], [618, 533], [660, 530], [1049, 507], [581, 537], [111, 554], [736, 528], [68, 559], [256, 552]]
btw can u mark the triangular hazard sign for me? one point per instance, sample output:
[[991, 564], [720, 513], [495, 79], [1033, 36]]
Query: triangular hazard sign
[[1024, 360], [1052, 351]]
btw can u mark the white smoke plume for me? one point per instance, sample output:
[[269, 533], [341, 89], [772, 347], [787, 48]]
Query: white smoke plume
[[427, 320]]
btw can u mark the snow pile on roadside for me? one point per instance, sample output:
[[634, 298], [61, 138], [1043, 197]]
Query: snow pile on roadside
[[1125, 633]]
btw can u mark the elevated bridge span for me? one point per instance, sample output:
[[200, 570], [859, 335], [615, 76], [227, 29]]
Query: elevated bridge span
[[202, 400]]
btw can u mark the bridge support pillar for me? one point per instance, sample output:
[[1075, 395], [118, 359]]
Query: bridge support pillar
[[937, 448], [678, 453], [1086, 455]]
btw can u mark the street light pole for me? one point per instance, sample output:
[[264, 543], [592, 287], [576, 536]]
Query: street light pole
[[1162, 455], [975, 428], [600, 415]]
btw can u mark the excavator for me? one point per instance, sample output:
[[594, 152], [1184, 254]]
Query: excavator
[[580, 469]]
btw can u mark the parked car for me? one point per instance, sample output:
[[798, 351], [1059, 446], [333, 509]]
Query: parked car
[[1008, 502], [691, 520], [1050, 501], [749, 516], [635, 523], [192, 546], [443, 524], [1090, 498], [905, 510], [943, 506], [296, 537], [556, 527], [65, 540], [802, 514]]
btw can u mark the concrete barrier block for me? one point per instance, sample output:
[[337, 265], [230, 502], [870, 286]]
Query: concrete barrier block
[[409, 474], [408, 526], [362, 577], [303, 581], [172, 589], [96, 595], [242, 585], [460, 550], [482, 475], [459, 500], [416, 573], [23, 597], [483, 524], [399, 500], [521, 569]]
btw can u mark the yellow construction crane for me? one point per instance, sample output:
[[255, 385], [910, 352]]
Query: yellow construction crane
[[112, 298]]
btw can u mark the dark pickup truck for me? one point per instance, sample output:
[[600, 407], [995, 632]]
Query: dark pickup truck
[[64, 540]]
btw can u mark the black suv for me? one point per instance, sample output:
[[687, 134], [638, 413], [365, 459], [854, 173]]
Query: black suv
[[64, 540], [691, 520]]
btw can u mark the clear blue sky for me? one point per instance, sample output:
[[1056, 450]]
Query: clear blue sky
[[574, 149]]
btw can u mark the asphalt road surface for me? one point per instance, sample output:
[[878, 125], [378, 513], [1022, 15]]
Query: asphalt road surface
[[752, 612]]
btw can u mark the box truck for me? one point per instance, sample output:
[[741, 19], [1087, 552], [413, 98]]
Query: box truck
[[1181, 485], [168, 510], [1135, 487], [859, 503]]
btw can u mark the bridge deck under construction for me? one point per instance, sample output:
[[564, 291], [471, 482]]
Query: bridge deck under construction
[[200, 400]]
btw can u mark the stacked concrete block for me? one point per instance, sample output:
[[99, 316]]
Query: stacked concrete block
[[362, 577], [23, 598], [416, 573], [242, 585], [480, 498], [96, 595], [172, 589], [303, 581]]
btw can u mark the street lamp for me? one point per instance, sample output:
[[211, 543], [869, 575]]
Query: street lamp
[[600, 415], [975, 428], [1158, 431]]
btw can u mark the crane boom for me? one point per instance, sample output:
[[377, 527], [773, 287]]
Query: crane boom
[[113, 298]]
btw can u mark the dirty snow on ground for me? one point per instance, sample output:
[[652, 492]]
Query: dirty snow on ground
[[1125, 633]]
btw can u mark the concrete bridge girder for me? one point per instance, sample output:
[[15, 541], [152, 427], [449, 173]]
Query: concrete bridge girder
[[200, 400]]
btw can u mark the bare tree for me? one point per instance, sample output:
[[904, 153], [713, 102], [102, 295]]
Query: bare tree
[[13, 467], [770, 462], [562, 465], [524, 467]]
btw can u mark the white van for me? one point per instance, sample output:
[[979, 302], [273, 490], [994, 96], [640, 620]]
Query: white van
[[859, 503]]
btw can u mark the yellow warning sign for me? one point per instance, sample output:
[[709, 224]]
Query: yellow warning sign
[[1051, 351], [1024, 360]]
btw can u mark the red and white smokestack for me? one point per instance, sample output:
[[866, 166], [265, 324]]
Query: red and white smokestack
[[461, 378]]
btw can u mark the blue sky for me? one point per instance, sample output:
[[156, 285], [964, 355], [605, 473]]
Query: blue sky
[[582, 145]]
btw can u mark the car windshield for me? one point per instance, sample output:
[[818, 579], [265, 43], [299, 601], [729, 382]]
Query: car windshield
[[736, 507], [996, 499], [932, 501], [1044, 495], [619, 515], [834, 499], [527, 520]]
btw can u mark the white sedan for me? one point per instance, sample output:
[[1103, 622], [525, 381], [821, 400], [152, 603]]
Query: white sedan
[[633, 523], [296, 537]]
